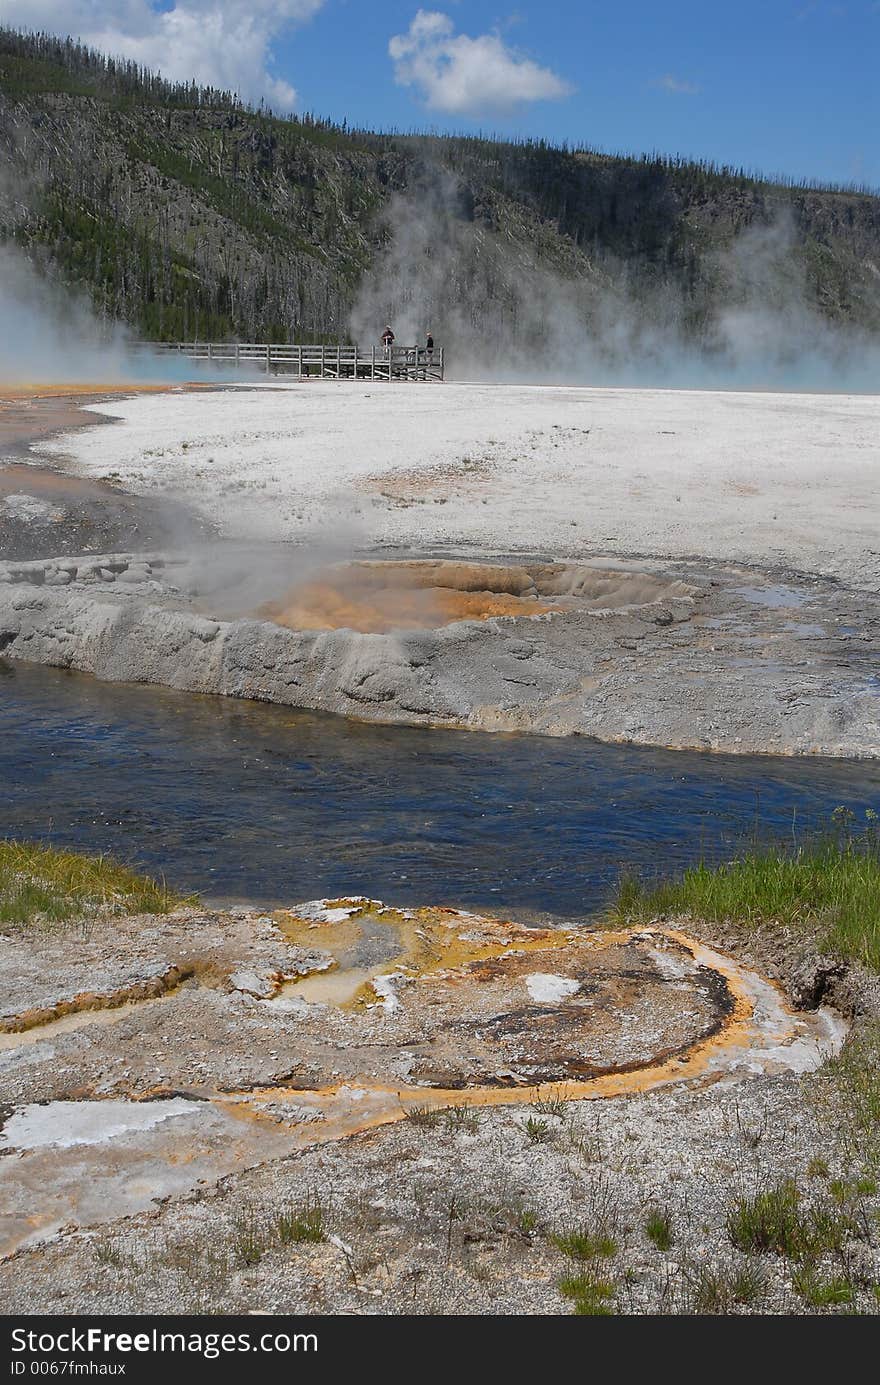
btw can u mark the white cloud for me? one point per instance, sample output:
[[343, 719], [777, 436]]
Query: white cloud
[[220, 43], [676, 85], [466, 76]]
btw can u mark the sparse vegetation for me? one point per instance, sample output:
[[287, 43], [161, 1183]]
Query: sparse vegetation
[[42, 885], [527, 1222], [849, 1090], [427, 1117], [539, 1131], [830, 888], [720, 1289], [592, 1297], [300, 1224], [552, 1106], [250, 1240], [462, 1119], [767, 1221], [586, 1243], [658, 1228], [773, 1220], [822, 1293]]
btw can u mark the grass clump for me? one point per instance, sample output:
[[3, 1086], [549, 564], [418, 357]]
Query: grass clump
[[658, 1228], [773, 1221], [427, 1117], [822, 1293], [250, 1240], [719, 1290], [770, 1220], [296, 1225], [592, 1297], [40, 884], [830, 887], [539, 1131], [552, 1106], [586, 1243], [462, 1119]]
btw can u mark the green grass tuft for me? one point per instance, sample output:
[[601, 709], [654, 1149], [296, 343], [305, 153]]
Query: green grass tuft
[[586, 1243], [714, 1289], [539, 1131], [658, 1228], [773, 1220], [822, 1293], [592, 1297], [830, 887], [425, 1116], [768, 1221], [296, 1225], [39, 884]]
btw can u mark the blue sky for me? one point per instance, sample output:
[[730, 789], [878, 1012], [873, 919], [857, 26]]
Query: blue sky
[[784, 86]]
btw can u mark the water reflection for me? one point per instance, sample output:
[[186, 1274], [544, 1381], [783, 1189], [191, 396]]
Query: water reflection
[[246, 801]]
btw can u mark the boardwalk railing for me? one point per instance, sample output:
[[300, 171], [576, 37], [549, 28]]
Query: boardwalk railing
[[325, 362]]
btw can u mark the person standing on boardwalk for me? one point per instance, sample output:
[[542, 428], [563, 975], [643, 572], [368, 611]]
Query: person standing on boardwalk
[[387, 340], [429, 348]]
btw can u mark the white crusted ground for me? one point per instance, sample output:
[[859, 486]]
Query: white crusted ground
[[765, 478]]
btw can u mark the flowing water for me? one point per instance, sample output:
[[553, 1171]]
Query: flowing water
[[244, 801]]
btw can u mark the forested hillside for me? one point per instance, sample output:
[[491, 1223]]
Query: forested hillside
[[188, 214]]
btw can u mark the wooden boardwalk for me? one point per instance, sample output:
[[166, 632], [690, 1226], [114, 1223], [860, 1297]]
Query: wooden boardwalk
[[321, 362]]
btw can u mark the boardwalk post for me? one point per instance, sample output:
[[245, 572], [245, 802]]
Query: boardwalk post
[[268, 357]]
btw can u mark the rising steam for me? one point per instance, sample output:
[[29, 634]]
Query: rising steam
[[51, 334], [490, 297]]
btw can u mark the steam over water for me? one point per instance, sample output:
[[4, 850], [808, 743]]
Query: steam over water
[[245, 801]]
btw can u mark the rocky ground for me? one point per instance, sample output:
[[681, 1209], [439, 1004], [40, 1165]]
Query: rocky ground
[[186, 1152]]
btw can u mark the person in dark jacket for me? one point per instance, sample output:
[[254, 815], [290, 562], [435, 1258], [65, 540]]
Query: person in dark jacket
[[387, 340], [429, 348]]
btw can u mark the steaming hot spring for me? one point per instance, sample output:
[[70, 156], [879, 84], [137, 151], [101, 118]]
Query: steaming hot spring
[[379, 596]]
